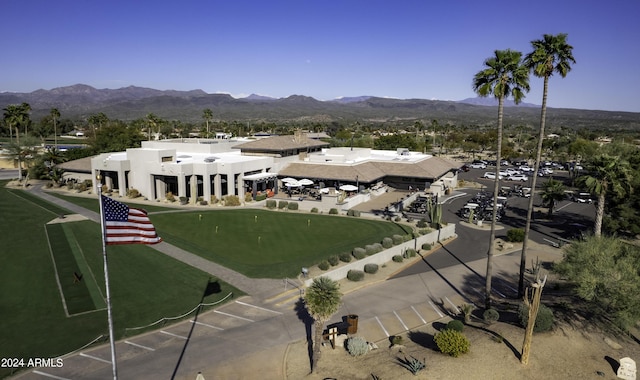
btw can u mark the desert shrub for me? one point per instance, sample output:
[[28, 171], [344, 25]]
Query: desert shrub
[[357, 346], [455, 324], [271, 203], [214, 200], [426, 246], [231, 200], [397, 258], [283, 204], [355, 275], [345, 257], [183, 200], [323, 265], [422, 223], [355, 213], [248, 197], [373, 248], [387, 242], [370, 268], [133, 193], [203, 203], [359, 253], [397, 239], [397, 219], [170, 197], [515, 235], [424, 231], [490, 315], [292, 206], [544, 319], [452, 342], [410, 252], [314, 210], [396, 340], [333, 211], [333, 260], [414, 365], [261, 197]]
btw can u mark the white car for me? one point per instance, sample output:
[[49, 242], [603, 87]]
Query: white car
[[525, 168], [491, 175], [478, 165], [518, 177], [511, 171]]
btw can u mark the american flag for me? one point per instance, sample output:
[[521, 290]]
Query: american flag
[[125, 225]]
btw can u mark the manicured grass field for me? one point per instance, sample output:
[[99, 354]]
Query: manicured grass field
[[145, 285], [272, 244]]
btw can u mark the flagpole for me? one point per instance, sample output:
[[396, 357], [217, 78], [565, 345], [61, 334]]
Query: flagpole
[[106, 282]]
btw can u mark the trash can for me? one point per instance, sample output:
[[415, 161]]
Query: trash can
[[352, 322]]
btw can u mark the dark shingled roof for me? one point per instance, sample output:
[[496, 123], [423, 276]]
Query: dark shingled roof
[[82, 165], [281, 143]]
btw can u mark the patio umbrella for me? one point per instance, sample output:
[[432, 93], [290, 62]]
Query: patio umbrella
[[293, 184], [324, 190], [305, 182], [288, 179], [348, 188]]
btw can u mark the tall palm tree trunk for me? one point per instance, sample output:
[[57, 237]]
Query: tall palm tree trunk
[[597, 229], [496, 187], [317, 341], [536, 167]]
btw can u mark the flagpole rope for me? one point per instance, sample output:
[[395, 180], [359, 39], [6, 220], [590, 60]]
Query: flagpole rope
[[162, 320]]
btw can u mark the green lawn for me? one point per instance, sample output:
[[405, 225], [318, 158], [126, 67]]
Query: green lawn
[[145, 285], [272, 244]]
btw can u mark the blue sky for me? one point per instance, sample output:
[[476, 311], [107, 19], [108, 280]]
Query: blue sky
[[324, 49]]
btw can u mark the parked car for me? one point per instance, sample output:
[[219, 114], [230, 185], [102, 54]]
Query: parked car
[[518, 177], [491, 175], [478, 165], [583, 198], [525, 168]]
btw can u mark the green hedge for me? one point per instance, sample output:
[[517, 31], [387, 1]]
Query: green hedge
[[355, 275]]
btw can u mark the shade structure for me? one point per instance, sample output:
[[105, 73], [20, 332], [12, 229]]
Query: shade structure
[[293, 184], [305, 182], [348, 188], [324, 190], [288, 179]]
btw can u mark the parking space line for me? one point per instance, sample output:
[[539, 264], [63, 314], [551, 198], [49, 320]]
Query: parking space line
[[382, 327], [233, 316], [140, 346], [436, 309], [49, 375], [207, 325], [171, 334], [418, 314], [452, 304], [95, 358], [401, 321], [258, 307]]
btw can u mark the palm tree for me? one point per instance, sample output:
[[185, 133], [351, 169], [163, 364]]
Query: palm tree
[[15, 116], [552, 192], [322, 300], [607, 174], [550, 55], [55, 115], [98, 119], [207, 115], [504, 76]]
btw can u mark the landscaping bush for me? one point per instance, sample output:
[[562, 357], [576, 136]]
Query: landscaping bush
[[452, 342], [396, 340], [373, 248], [333, 260], [231, 200], [324, 265], [271, 203], [314, 210], [283, 204], [133, 193], [397, 219], [426, 246], [261, 197], [203, 203], [387, 242], [333, 211], [214, 199], [355, 213], [183, 200], [293, 206], [515, 235], [397, 239], [370, 268], [359, 253], [248, 197], [410, 252], [424, 231], [422, 223], [345, 257], [455, 324], [397, 258], [357, 346], [491, 315], [355, 275], [170, 197], [544, 320]]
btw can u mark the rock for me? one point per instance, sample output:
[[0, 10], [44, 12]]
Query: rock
[[612, 344]]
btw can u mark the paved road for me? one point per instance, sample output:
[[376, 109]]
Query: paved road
[[248, 337]]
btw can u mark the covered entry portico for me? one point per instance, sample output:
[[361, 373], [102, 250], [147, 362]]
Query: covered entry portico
[[261, 182]]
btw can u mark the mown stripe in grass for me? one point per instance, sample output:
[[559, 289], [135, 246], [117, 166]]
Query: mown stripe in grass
[[54, 209], [74, 289]]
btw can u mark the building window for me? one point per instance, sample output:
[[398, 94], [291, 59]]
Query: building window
[[167, 159]]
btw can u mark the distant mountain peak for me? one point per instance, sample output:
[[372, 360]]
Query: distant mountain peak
[[493, 102], [258, 97], [351, 99]]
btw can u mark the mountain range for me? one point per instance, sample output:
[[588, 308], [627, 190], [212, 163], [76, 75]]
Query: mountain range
[[79, 101]]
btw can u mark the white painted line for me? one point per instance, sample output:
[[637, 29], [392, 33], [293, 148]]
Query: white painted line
[[511, 288], [401, 321], [452, 304], [95, 358], [207, 325], [436, 309], [176, 335], [382, 327], [49, 375], [500, 294], [258, 307], [140, 346], [233, 316], [418, 314]]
